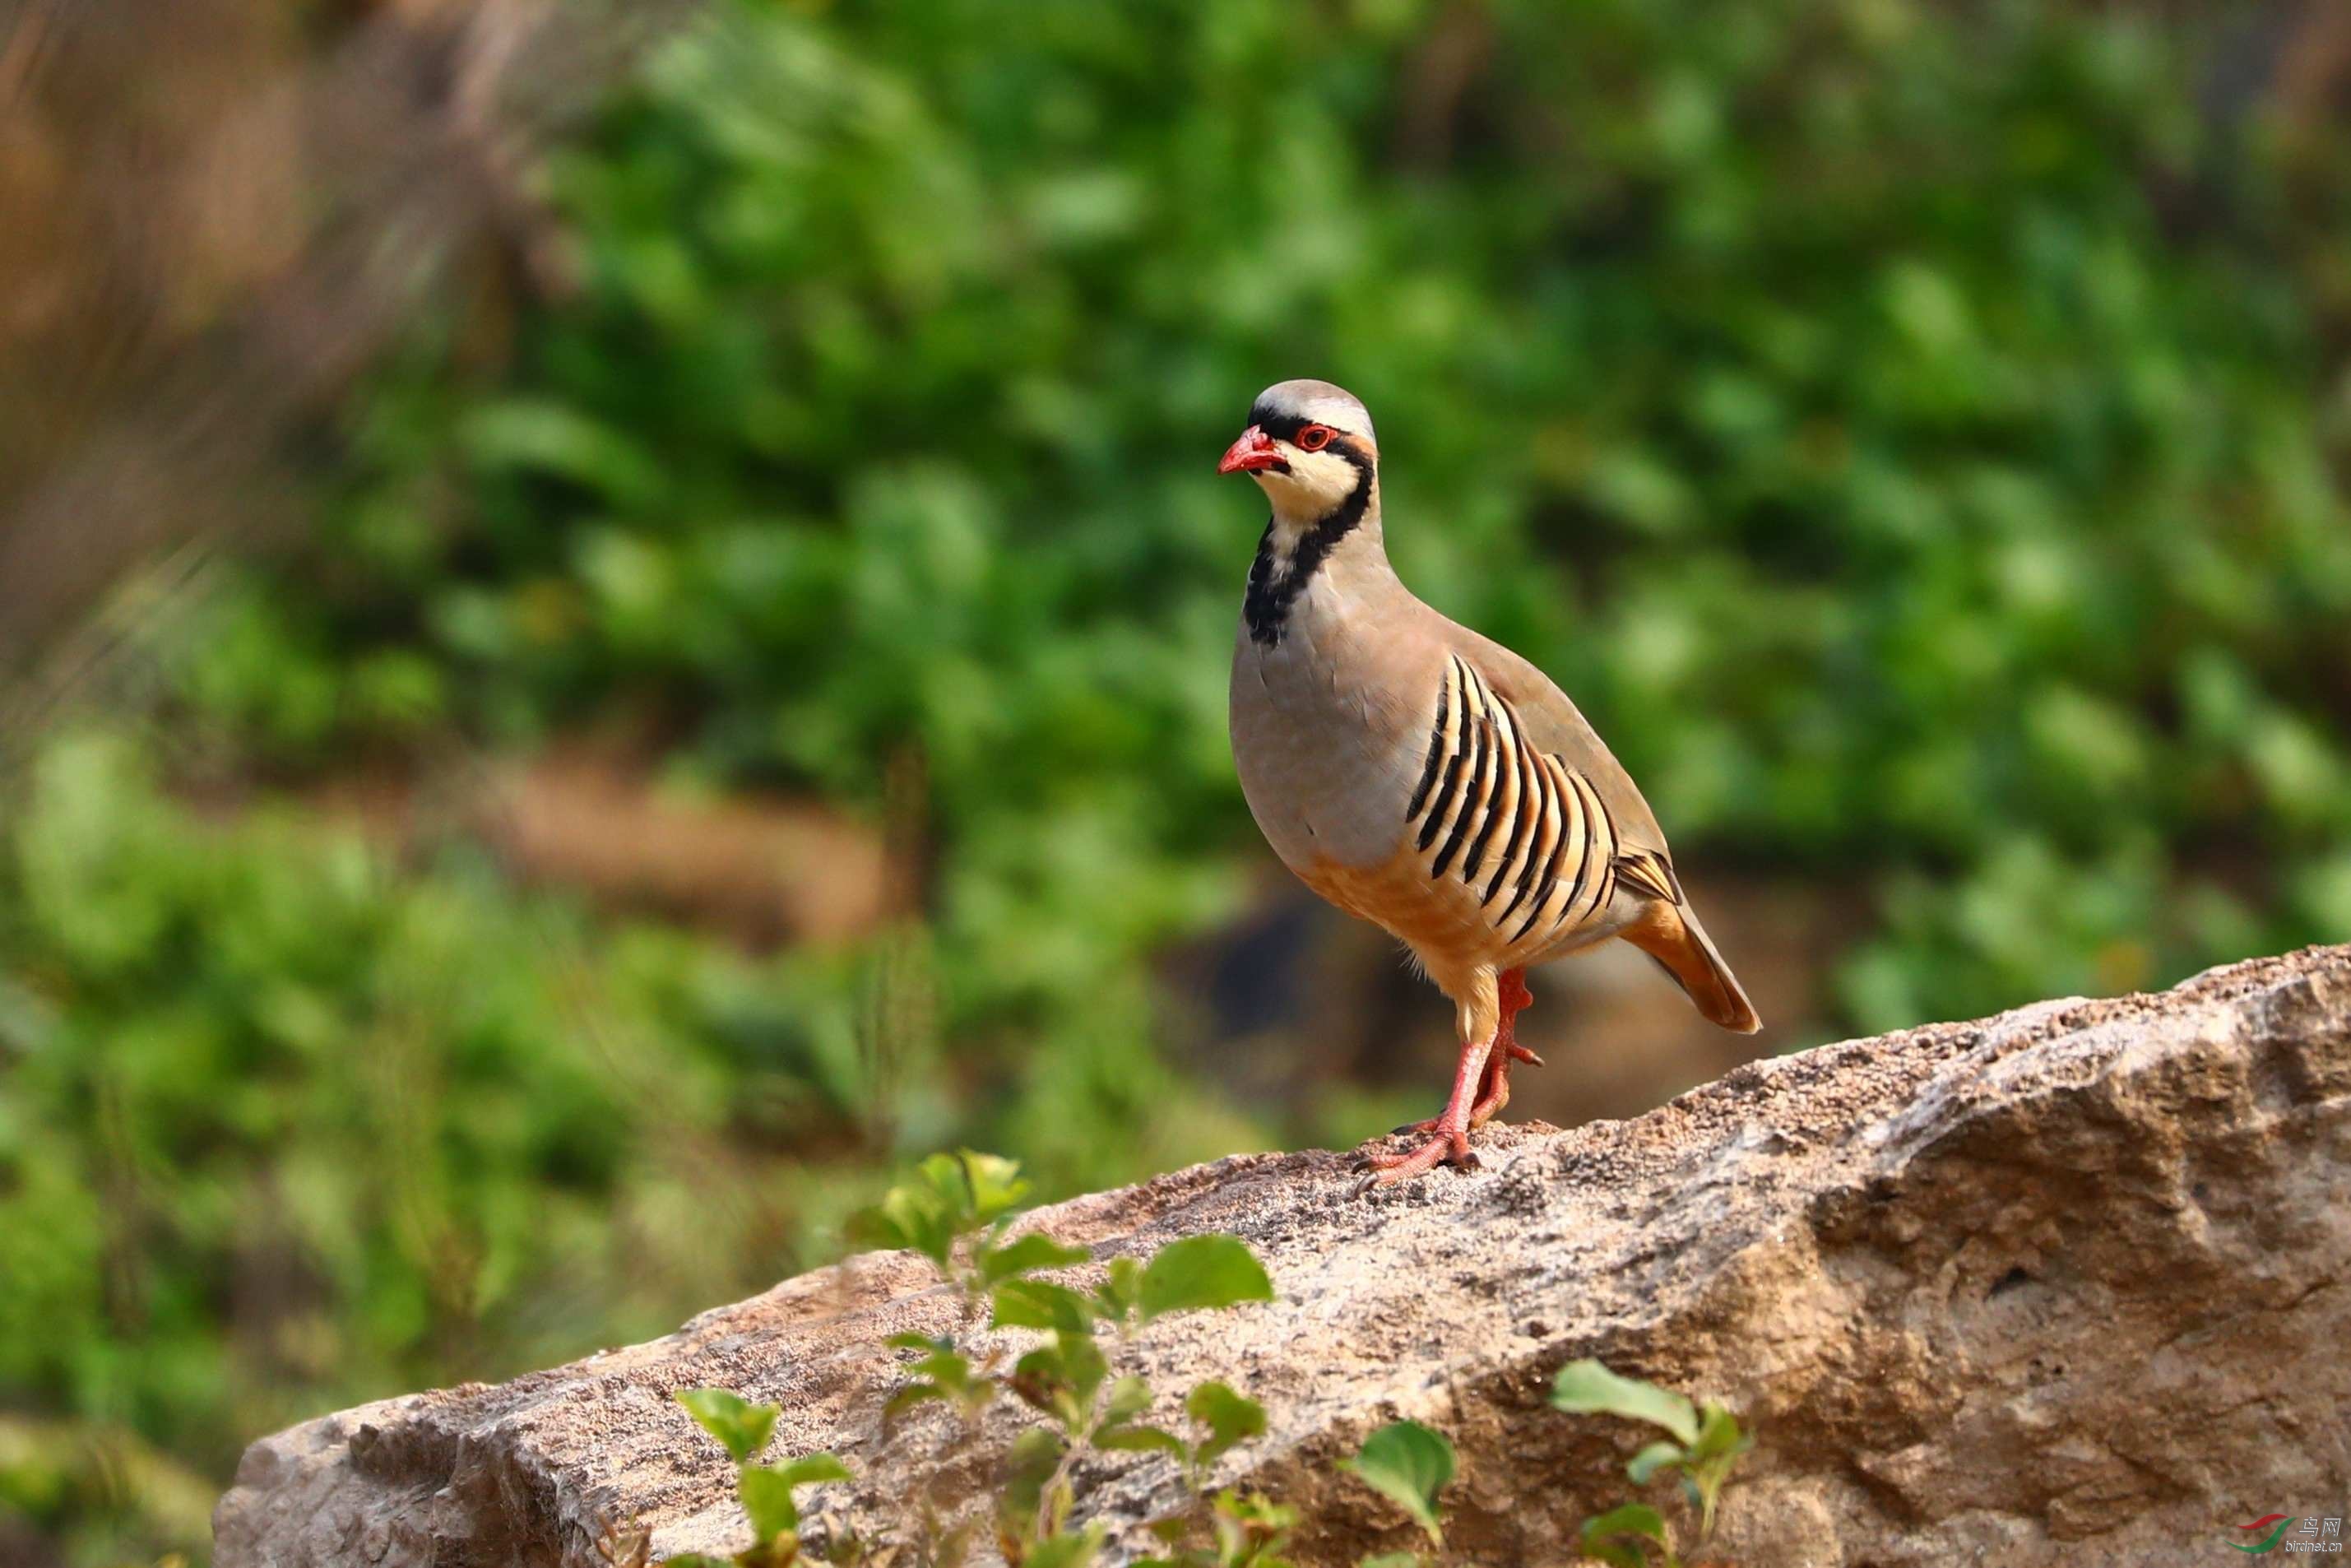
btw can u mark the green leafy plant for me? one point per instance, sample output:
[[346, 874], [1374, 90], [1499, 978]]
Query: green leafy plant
[[1405, 1461], [958, 1210], [1962, 538], [1247, 1532], [1409, 1464], [1705, 1444], [767, 1491], [953, 1210]]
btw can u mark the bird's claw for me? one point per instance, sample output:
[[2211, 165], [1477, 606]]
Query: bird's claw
[[1446, 1148]]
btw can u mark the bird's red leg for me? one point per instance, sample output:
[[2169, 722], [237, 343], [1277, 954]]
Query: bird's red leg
[[1495, 1092], [1494, 1088], [1450, 1142]]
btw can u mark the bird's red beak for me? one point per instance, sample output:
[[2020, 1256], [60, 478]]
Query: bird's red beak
[[1253, 450]]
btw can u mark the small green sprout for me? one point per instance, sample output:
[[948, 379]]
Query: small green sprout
[[1223, 1416], [950, 1198], [1706, 1444], [1249, 1532], [1409, 1464], [1611, 1537], [958, 1210], [766, 1491]]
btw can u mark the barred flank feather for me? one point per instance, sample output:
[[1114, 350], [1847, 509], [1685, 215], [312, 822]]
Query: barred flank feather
[[1523, 830]]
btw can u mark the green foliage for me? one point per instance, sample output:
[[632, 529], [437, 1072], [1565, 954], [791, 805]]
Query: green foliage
[[1249, 1532], [1708, 1443], [766, 1491], [1620, 1537], [950, 1196], [1028, 1252], [1586, 1387], [1907, 430], [1223, 1418], [1227, 1417], [741, 1427], [286, 1124], [1065, 1551], [1200, 1273], [103, 1492], [1408, 1464], [956, 1210]]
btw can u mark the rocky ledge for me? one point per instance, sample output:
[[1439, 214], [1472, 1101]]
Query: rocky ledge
[[2069, 1284]]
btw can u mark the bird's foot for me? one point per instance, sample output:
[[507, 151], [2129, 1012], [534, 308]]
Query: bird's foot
[[1447, 1147]]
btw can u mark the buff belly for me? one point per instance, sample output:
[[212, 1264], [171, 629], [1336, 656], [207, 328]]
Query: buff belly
[[1442, 919]]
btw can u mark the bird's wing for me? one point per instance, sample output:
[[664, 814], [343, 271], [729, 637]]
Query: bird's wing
[[1667, 929], [1554, 725]]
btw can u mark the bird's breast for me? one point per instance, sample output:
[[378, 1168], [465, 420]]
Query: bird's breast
[[1319, 748]]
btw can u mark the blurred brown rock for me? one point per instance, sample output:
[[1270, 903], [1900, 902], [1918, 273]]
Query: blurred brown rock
[[760, 870]]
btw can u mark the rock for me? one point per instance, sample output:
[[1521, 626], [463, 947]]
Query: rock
[[2067, 1281]]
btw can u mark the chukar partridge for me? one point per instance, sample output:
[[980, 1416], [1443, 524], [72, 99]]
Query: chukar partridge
[[1426, 778]]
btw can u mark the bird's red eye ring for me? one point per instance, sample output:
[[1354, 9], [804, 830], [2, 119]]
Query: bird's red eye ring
[[1314, 438]]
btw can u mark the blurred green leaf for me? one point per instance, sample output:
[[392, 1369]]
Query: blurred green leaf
[[1409, 1464], [1719, 1435], [741, 1427], [1231, 1418], [767, 1499], [1653, 1459], [1127, 1437], [1201, 1273], [766, 1490], [1066, 1551], [1040, 1305], [1604, 1537], [1586, 1387], [1128, 1397], [1121, 1288], [1032, 1251]]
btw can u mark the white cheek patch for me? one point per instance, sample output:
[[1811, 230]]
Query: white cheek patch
[[1317, 481], [1325, 473]]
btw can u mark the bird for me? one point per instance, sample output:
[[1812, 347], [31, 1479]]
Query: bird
[[1428, 780]]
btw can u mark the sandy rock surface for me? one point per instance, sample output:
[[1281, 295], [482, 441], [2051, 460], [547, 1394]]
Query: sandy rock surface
[[2068, 1284]]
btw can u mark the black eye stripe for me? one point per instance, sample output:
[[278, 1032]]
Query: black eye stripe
[[1285, 427], [1341, 444]]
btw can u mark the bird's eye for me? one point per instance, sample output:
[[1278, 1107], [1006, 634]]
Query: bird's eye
[[1314, 437]]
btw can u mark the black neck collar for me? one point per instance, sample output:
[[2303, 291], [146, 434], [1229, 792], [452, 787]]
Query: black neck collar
[[1267, 607]]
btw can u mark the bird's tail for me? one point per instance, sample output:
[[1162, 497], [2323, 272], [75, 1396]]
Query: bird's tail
[[1671, 935]]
